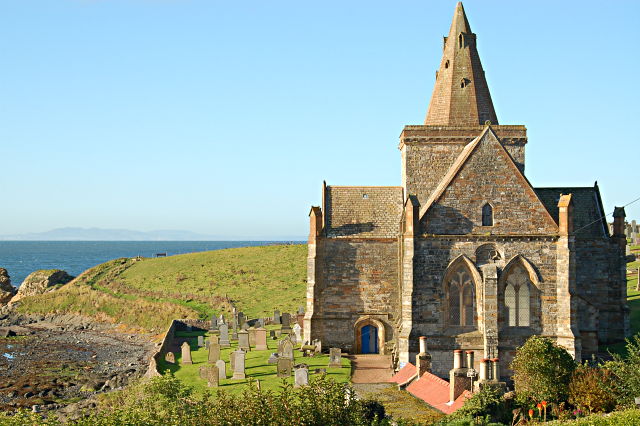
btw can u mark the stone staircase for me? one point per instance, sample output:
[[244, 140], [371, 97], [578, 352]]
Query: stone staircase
[[370, 368]]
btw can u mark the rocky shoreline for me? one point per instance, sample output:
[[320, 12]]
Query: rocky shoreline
[[61, 362]]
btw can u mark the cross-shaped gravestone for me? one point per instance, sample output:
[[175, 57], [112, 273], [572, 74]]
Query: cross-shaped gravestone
[[238, 368], [186, 354]]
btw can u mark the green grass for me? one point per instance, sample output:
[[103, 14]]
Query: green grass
[[633, 301], [147, 294], [256, 367]]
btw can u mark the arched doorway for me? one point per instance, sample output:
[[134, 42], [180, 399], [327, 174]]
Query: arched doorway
[[369, 339], [369, 336]]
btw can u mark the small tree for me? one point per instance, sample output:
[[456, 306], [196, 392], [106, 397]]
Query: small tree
[[626, 372], [592, 388], [542, 371]]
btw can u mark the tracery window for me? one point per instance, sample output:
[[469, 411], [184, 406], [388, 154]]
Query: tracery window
[[461, 298], [517, 298]]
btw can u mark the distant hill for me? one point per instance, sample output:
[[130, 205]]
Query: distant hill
[[99, 234]]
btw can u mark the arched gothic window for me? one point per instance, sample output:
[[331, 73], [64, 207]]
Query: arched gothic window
[[487, 215], [461, 298], [517, 298]]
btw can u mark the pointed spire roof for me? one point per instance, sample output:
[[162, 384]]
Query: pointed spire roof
[[460, 96]]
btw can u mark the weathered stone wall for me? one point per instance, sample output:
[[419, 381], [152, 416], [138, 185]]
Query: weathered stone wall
[[354, 278]]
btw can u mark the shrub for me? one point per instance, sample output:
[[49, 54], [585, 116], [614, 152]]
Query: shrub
[[485, 405], [592, 388], [625, 371], [542, 371]]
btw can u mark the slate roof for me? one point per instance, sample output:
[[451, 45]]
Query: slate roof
[[588, 213], [363, 211]]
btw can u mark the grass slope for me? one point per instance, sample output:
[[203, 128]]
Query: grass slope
[[149, 293]]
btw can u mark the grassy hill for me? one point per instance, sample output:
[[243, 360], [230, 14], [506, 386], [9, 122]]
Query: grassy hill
[[147, 293]]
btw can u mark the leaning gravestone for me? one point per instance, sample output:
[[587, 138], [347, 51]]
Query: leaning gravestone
[[170, 358], [261, 339], [224, 336], [302, 376], [200, 341], [252, 336], [222, 369], [284, 367], [335, 357], [243, 340], [276, 317], [214, 353], [186, 354], [238, 368], [286, 323]]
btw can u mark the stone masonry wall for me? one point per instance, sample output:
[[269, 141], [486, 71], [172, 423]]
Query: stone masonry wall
[[354, 278]]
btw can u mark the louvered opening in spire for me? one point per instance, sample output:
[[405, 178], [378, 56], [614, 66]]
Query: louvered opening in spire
[[460, 96]]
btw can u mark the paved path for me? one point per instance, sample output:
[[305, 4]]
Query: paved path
[[370, 368]]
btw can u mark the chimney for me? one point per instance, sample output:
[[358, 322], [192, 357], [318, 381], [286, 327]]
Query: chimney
[[484, 369], [618, 226], [423, 360], [496, 369], [458, 380], [565, 215], [469, 359], [457, 359]]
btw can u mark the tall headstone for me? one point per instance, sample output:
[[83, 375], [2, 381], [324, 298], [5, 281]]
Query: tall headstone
[[214, 353], [243, 340], [335, 357], [214, 323], [285, 349], [232, 360], [302, 376], [297, 330], [241, 318], [186, 354], [234, 334], [222, 369], [261, 339], [276, 317], [200, 341], [214, 339], [284, 367], [238, 368], [286, 323], [213, 376], [224, 336], [252, 336]]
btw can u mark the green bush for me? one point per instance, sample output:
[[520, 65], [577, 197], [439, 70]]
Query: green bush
[[591, 388], [625, 370], [617, 418], [484, 406], [542, 371]]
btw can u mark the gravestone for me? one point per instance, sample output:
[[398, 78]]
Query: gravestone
[[213, 376], [272, 334], [200, 341], [170, 357], [276, 317], [273, 359], [261, 339], [186, 354], [214, 323], [252, 336], [260, 323], [243, 340], [335, 357], [214, 353], [222, 369], [302, 376], [238, 368], [241, 318], [318, 345], [221, 320], [214, 339], [234, 335], [284, 367], [297, 330], [286, 323], [232, 360], [245, 326], [285, 348], [300, 320], [224, 336]]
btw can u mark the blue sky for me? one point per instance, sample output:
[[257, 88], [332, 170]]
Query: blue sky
[[224, 117]]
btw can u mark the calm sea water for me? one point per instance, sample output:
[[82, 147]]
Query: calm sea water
[[20, 258]]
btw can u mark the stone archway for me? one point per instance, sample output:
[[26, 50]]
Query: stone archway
[[368, 325]]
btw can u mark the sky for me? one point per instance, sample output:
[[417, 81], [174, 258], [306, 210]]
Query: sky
[[224, 118]]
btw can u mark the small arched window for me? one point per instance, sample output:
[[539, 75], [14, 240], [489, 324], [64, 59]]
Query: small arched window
[[460, 41], [446, 64], [517, 298], [461, 298], [487, 215]]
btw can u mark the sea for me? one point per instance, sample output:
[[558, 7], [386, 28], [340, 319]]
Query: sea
[[20, 258]]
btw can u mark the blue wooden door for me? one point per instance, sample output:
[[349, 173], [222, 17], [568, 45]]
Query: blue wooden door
[[369, 342]]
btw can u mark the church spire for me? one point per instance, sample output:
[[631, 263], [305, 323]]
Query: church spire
[[460, 96]]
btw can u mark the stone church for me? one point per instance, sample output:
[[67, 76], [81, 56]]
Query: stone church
[[465, 251]]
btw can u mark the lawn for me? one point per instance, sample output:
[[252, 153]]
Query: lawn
[[256, 366]]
